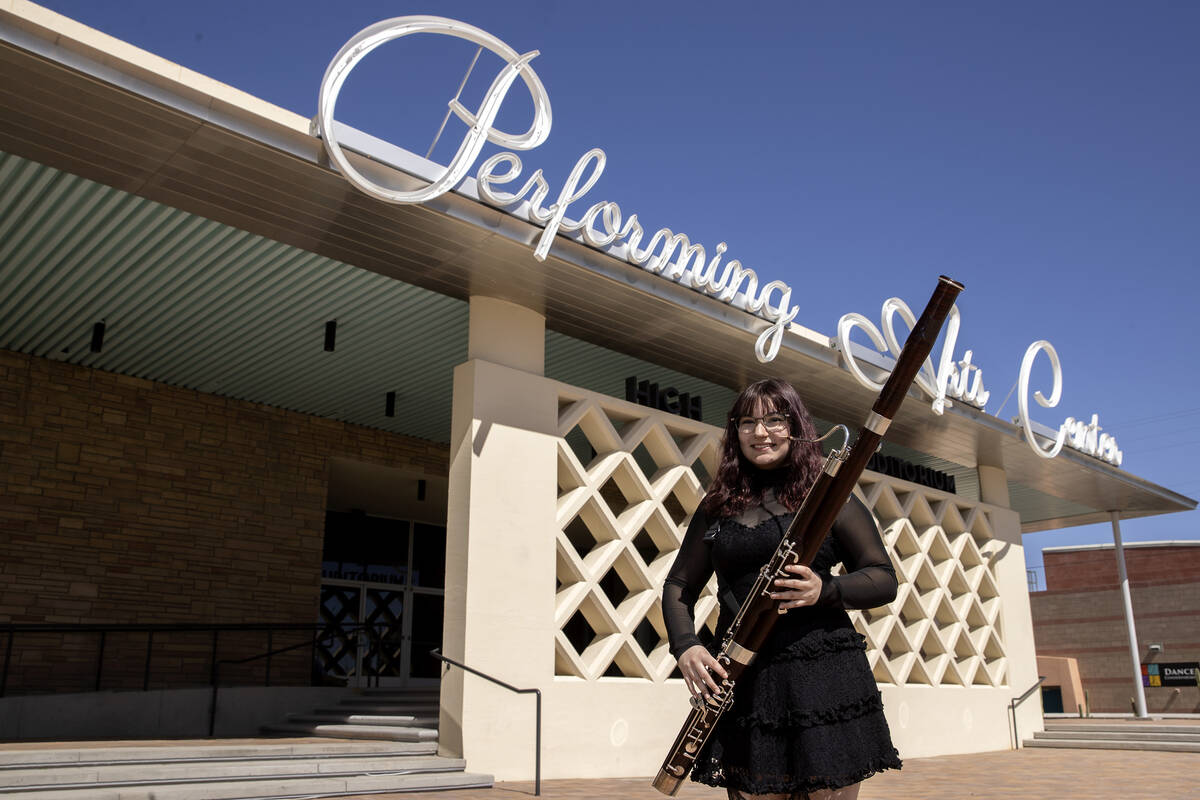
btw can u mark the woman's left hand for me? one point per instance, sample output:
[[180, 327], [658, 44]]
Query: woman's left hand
[[802, 590]]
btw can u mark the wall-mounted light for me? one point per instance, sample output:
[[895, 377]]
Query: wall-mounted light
[[390, 409], [330, 335], [97, 337]]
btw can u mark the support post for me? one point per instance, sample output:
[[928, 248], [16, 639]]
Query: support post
[[1126, 598]]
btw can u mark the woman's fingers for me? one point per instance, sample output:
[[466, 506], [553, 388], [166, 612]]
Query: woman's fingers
[[802, 590], [701, 671]]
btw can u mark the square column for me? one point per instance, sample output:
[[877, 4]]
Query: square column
[[499, 607]]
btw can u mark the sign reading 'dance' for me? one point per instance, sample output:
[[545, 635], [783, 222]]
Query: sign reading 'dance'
[[666, 253]]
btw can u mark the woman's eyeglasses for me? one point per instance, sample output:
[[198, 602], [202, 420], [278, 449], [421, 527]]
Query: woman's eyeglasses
[[774, 423]]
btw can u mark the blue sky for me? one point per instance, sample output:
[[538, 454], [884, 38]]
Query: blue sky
[[1045, 154]]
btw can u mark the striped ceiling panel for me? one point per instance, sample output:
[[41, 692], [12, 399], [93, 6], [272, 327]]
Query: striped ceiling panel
[[194, 303]]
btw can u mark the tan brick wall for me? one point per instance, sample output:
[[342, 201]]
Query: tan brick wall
[[1090, 626], [128, 501]]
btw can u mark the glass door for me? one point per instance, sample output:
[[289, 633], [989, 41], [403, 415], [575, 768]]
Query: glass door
[[382, 590]]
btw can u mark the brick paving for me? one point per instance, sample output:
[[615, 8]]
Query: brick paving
[[1030, 774]]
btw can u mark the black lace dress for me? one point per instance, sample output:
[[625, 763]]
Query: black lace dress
[[806, 714]]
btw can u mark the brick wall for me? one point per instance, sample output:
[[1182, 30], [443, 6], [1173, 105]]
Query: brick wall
[[1089, 625], [128, 501], [1089, 569]]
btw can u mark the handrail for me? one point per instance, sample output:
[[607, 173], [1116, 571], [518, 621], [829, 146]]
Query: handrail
[[537, 762], [150, 629], [216, 669], [1016, 701]]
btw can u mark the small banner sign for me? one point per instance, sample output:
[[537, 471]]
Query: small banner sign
[[1179, 673]]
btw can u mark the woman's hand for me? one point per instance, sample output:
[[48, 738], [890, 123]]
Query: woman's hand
[[803, 590], [700, 671]]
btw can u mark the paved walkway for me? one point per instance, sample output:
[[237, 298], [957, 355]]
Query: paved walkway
[[1029, 774]]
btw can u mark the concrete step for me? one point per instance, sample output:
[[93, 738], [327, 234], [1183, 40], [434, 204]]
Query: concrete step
[[61, 776], [381, 708], [272, 787], [1122, 744], [340, 716], [1122, 727], [428, 706], [1115, 735], [394, 733], [431, 691], [199, 750]]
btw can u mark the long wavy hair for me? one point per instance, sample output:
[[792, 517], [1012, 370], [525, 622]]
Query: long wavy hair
[[738, 483]]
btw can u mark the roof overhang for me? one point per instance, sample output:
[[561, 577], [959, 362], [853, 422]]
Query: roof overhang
[[85, 103]]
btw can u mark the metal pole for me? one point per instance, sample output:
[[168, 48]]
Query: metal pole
[[1139, 692], [537, 760], [100, 660], [269, 640], [149, 651], [215, 677], [7, 659]]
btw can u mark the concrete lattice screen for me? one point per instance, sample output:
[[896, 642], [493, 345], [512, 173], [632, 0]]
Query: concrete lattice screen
[[629, 479], [943, 628]]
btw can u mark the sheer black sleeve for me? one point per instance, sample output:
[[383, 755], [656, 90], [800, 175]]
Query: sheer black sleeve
[[869, 580], [689, 573]]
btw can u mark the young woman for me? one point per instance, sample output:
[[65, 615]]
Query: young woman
[[807, 719]]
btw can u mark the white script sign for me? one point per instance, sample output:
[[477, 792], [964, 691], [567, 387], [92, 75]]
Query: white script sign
[[669, 254], [1082, 436], [952, 379]]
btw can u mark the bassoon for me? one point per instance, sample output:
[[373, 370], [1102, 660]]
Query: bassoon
[[829, 493]]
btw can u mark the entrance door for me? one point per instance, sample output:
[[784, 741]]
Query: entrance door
[[382, 592]]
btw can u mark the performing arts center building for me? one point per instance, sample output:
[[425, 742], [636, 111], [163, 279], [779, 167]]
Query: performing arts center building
[[251, 403]]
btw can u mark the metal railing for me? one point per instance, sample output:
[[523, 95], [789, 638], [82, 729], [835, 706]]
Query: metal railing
[[1012, 708], [319, 631], [537, 752]]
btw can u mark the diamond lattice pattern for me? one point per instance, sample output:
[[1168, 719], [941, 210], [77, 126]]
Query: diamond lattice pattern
[[944, 627], [629, 479]]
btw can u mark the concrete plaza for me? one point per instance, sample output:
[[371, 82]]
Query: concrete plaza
[[1030, 774]]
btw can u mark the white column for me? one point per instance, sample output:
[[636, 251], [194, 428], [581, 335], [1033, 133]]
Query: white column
[[1139, 692], [500, 529], [993, 485]]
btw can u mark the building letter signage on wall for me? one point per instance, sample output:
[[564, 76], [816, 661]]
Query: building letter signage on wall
[[670, 399]]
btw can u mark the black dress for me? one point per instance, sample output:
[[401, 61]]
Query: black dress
[[806, 714]]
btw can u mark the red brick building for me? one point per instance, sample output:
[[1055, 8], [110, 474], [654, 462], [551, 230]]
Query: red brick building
[[1080, 615]]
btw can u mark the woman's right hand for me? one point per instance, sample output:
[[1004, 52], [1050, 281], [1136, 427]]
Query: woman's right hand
[[700, 671]]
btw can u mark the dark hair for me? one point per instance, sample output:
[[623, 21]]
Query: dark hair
[[738, 483]]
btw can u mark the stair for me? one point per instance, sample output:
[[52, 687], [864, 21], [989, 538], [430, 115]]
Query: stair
[[204, 770], [1119, 735], [396, 715]]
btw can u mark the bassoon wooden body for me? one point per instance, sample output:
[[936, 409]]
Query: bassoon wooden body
[[832, 489]]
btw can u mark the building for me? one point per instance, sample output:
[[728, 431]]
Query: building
[[238, 393], [1080, 615]]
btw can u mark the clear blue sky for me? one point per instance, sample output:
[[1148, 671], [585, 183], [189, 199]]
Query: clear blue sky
[[1045, 154]]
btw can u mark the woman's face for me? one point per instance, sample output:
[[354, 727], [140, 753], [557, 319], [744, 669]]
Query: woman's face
[[764, 436]]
